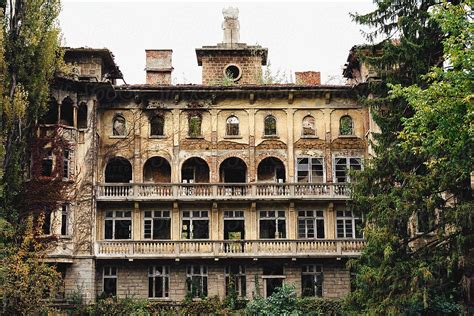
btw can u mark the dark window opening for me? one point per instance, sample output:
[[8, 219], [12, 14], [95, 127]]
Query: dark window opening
[[310, 224], [157, 126], [195, 225], [349, 224], [110, 281], [195, 170], [235, 278], [425, 222], [346, 125], [51, 116], [272, 224], [312, 280], [158, 281], [66, 164], [270, 126], [67, 112], [232, 72], [47, 164], [65, 219], [118, 225], [273, 277], [157, 225], [118, 170], [271, 169], [233, 170], [46, 225], [157, 170], [82, 116], [342, 167], [196, 280]]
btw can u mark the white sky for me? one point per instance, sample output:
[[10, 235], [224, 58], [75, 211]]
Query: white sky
[[299, 36]]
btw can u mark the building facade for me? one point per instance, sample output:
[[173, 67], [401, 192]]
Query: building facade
[[188, 189]]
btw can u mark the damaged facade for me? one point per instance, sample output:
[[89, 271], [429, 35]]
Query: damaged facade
[[181, 187]]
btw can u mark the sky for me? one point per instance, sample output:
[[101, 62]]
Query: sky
[[300, 36]]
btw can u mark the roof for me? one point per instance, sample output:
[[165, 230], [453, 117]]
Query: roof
[[284, 87], [239, 49], [111, 68]]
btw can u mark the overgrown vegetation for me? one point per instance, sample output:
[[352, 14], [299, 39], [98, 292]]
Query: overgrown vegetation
[[416, 191]]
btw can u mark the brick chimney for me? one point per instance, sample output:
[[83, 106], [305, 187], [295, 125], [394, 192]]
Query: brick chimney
[[308, 78], [158, 66]]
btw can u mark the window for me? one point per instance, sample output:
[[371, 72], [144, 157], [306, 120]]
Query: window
[[234, 225], [196, 280], [309, 128], [157, 225], [46, 225], [157, 126], [312, 280], [235, 277], [342, 165], [346, 126], [195, 225], [348, 224], [158, 281], [310, 170], [310, 224], [65, 219], [272, 224], [118, 225], [82, 116], [119, 126], [232, 126], [47, 164], [66, 164], [194, 128], [424, 222], [110, 281], [232, 72], [270, 126]]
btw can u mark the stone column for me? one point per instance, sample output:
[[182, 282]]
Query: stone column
[[214, 222], [175, 173], [251, 222], [137, 159], [175, 222], [292, 221], [291, 155], [136, 222], [252, 168], [330, 219], [214, 168]]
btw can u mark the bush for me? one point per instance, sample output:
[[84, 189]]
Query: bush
[[320, 306], [207, 306]]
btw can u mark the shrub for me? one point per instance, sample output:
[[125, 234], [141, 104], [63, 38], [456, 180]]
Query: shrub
[[207, 306], [320, 306]]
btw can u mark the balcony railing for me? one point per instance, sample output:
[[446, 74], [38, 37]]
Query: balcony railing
[[223, 191], [235, 249]]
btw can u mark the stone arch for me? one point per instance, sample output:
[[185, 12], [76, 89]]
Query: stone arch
[[67, 112], [195, 170], [82, 119], [233, 170], [157, 170], [118, 170], [271, 169]]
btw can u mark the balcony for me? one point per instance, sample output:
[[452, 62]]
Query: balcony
[[221, 191], [183, 249]]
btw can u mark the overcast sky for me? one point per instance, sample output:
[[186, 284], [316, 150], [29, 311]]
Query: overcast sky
[[299, 36]]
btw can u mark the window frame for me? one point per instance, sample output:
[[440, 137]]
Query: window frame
[[67, 161], [348, 167], [116, 117], [240, 280], [317, 275], [310, 168], [354, 226], [163, 121], [114, 218], [351, 125], [268, 117], [191, 217], [202, 275], [309, 116], [230, 126], [190, 133], [153, 274], [65, 219], [48, 157], [113, 274], [276, 218], [317, 216], [165, 215]]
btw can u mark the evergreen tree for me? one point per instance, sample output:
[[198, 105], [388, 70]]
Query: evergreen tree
[[420, 175]]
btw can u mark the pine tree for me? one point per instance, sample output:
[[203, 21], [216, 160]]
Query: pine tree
[[418, 173]]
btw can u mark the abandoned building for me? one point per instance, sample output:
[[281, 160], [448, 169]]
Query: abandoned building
[[181, 189]]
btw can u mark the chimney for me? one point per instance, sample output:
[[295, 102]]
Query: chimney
[[158, 66], [308, 78]]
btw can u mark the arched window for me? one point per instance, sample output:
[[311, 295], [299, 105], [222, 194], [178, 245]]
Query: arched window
[[67, 112], [82, 116], [346, 125], [157, 126], [270, 126], [51, 117], [194, 128], [309, 128], [232, 126], [119, 126], [118, 170]]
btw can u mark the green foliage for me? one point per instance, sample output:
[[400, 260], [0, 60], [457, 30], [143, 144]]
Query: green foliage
[[206, 306], [423, 160], [320, 306]]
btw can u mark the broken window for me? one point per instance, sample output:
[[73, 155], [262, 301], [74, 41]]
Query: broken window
[[110, 281], [157, 170], [271, 169], [196, 280], [157, 225], [232, 126], [119, 127], [342, 165], [272, 277], [118, 170], [47, 163], [234, 225], [82, 116], [270, 126], [310, 170], [349, 224], [195, 225], [157, 126], [311, 224], [309, 128], [65, 219], [158, 281], [194, 125], [235, 277], [118, 225], [312, 280], [272, 224], [67, 112], [346, 125], [195, 170]]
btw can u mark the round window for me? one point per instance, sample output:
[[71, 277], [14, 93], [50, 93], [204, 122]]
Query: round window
[[232, 72]]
